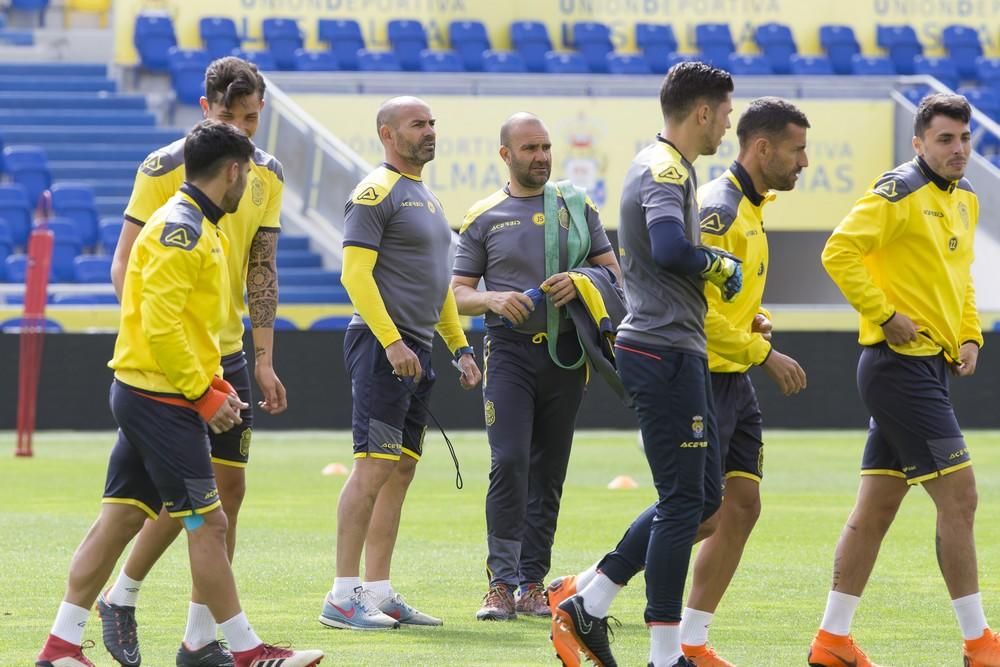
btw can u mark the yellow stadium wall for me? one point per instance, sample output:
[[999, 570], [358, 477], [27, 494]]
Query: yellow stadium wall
[[928, 17], [596, 138]]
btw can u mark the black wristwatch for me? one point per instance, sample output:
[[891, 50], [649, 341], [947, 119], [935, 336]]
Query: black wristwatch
[[468, 349]]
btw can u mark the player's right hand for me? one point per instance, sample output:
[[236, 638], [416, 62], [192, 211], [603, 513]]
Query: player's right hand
[[900, 329], [785, 372], [228, 415], [725, 271], [404, 361], [515, 306]]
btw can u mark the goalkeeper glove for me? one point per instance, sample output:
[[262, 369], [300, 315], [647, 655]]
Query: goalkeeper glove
[[724, 271]]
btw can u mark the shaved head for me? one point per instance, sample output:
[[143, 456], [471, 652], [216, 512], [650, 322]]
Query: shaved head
[[512, 124], [393, 109]]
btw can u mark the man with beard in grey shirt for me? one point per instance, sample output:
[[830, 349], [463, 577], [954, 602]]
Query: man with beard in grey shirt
[[530, 402]]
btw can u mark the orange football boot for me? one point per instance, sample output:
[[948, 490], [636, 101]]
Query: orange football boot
[[984, 651], [704, 656], [830, 650]]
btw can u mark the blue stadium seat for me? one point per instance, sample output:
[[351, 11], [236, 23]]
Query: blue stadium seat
[[154, 37], [218, 35], [264, 60], [565, 63], [593, 41], [531, 40], [283, 38], [715, 42], [811, 65], [656, 42], [331, 323], [871, 66], [15, 209], [187, 73], [840, 45], [943, 69], [66, 246], [408, 40], [901, 42], [15, 268], [111, 229], [76, 203], [963, 47], [92, 269], [742, 65], [471, 41], [313, 294], [635, 63], [777, 44], [440, 61], [28, 166], [509, 62], [378, 61], [315, 61], [290, 242], [988, 72], [915, 94], [309, 277], [37, 6], [345, 39]]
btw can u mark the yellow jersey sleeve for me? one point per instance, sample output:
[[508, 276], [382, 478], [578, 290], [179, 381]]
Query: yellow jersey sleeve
[[874, 221], [971, 330], [272, 213], [359, 280], [173, 263], [449, 327]]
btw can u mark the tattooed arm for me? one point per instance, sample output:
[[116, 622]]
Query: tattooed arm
[[262, 298]]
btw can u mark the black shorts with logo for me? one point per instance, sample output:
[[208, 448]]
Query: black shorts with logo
[[737, 414], [913, 432], [386, 418], [232, 448], [161, 458]]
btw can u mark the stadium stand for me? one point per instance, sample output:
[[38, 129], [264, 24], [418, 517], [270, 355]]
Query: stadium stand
[[963, 48], [622, 63], [343, 38], [75, 202], [811, 65], [110, 229], [869, 66], [657, 43], [28, 166], [988, 72], [440, 61], [264, 60], [314, 61], [91, 269], [943, 69], [409, 41], [841, 46], [565, 63], [283, 39], [16, 212], [378, 61], [471, 41], [739, 64], [187, 73]]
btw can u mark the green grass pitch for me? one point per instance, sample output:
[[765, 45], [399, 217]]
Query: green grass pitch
[[284, 561]]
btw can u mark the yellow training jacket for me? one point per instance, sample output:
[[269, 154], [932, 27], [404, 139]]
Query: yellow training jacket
[[175, 300], [731, 213], [907, 246]]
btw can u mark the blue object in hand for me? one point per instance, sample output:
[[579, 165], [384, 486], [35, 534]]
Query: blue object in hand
[[535, 294]]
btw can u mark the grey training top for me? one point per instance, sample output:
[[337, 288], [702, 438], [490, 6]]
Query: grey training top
[[397, 216], [665, 309], [503, 240]]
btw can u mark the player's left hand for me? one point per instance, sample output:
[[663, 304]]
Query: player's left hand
[[470, 376], [968, 357], [275, 401], [560, 289], [762, 325]]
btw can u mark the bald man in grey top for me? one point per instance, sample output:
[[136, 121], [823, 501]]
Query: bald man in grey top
[[530, 402]]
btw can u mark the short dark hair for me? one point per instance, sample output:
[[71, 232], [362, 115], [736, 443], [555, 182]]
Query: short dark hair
[[229, 79], [940, 104], [210, 144], [769, 116], [688, 82]]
